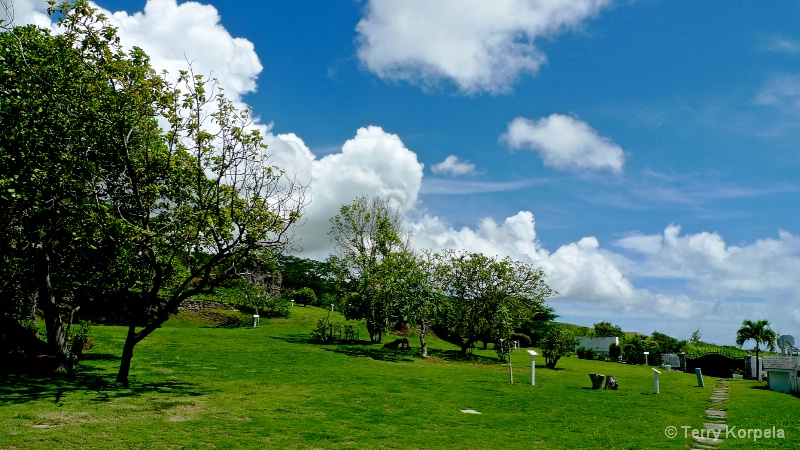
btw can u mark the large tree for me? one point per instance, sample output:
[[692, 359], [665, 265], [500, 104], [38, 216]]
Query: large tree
[[368, 236], [486, 298], [175, 209], [759, 332], [58, 112]]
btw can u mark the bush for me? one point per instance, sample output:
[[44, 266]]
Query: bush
[[614, 351], [275, 307]]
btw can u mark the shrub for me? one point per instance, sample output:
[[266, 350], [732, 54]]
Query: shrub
[[614, 351], [275, 307]]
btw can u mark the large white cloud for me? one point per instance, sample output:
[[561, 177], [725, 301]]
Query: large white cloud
[[565, 143], [481, 46], [173, 34], [372, 163]]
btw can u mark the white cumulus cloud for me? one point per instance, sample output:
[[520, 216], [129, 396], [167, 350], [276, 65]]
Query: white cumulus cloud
[[565, 143], [453, 166], [478, 45]]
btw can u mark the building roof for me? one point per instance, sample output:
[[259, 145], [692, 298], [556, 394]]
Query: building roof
[[777, 363]]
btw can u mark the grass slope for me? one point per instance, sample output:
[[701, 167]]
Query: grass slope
[[195, 386]]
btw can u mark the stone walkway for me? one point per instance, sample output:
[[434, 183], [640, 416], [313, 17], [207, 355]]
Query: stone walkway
[[716, 417]]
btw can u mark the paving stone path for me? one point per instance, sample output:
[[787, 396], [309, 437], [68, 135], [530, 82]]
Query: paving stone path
[[716, 418]]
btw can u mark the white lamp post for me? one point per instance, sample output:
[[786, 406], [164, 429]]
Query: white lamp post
[[533, 366], [655, 380]]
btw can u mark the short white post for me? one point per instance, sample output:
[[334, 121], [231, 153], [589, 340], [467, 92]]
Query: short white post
[[655, 380], [533, 366], [255, 320], [331, 306], [292, 302], [645, 358], [516, 345]]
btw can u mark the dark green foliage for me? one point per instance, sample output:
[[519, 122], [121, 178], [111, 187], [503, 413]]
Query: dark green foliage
[[607, 329], [614, 351], [633, 348], [298, 273], [522, 338], [660, 343], [305, 296], [535, 326]]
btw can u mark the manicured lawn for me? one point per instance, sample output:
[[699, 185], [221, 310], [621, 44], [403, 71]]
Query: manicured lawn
[[199, 386]]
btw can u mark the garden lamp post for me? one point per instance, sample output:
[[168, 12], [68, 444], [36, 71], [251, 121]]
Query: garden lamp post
[[533, 366]]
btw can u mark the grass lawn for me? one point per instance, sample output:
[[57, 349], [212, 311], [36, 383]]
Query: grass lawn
[[198, 386]]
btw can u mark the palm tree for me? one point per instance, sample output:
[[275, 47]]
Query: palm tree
[[760, 332]]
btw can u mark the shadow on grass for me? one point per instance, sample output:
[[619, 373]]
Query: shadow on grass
[[16, 388], [376, 353], [306, 339], [457, 356]]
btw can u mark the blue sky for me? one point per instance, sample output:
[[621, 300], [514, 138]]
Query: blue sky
[[644, 153]]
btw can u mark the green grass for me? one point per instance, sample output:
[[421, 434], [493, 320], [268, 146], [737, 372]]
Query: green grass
[[195, 386]]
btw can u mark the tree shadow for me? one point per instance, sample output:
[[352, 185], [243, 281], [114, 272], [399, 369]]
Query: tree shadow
[[457, 356], [376, 353], [306, 339], [20, 388]]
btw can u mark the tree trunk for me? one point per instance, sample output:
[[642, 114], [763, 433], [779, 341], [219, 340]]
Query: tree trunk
[[56, 337], [758, 366], [423, 330], [127, 356]]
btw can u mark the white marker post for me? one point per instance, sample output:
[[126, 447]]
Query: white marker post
[[292, 302], [533, 366], [655, 380], [331, 306], [255, 320], [645, 358]]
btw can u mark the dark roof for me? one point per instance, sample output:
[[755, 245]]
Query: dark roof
[[778, 363]]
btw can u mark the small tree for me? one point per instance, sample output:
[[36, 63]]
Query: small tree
[[485, 298], [367, 236], [555, 343], [759, 332], [305, 296]]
